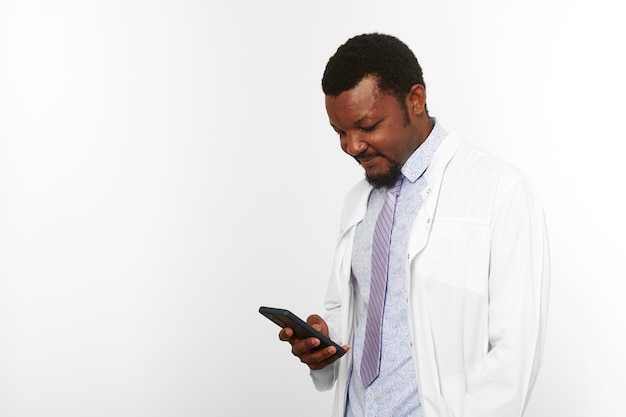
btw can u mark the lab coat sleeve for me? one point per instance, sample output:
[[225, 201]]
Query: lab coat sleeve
[[337, 302], [518, 301], [324, 379]]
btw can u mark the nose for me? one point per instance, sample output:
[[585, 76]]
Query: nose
[[353, 144]]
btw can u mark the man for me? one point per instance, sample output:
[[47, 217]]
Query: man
[[446, 316]]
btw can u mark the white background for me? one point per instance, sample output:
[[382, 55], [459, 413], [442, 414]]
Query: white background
[[166, 167]]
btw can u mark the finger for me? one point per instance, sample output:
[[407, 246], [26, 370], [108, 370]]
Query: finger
[[299, 347], [285, 334], [318, 324], [320, 358]]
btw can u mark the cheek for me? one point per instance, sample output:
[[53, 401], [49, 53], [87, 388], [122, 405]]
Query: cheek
[[384, 141], [392, 146]]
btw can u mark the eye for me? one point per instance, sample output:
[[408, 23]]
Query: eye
[[370, 128]]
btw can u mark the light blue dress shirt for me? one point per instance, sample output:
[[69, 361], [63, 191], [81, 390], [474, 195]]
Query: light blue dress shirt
[[395, 392]]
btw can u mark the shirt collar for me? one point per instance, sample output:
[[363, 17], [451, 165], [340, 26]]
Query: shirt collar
[[419, 161]]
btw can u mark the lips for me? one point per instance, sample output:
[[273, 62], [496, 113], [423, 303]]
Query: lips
[[367, 161]]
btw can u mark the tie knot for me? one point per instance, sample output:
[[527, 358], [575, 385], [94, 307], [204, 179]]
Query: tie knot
[[395, 189]]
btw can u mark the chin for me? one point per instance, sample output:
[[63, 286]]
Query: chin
[[385, 179]]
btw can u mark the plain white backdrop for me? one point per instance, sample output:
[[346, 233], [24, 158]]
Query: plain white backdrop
[[167, 167]]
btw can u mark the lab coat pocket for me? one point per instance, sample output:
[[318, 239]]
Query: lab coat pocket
[[457, 253]]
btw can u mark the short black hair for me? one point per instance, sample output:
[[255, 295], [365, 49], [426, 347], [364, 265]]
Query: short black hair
[[385, 57]]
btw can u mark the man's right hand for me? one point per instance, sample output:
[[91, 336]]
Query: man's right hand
[[306, 349]]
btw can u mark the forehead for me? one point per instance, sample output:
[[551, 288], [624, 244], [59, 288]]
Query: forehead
[[363, 101]]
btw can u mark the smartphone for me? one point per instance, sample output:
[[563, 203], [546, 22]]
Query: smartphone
[[302, 330]]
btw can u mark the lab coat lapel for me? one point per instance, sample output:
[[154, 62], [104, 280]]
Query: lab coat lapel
[[430, 195]]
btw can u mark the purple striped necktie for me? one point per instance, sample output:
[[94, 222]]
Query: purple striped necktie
[[370, 364]]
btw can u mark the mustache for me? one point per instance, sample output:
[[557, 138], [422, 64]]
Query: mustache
[[364, 156]]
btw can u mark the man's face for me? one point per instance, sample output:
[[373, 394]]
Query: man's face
[[375, 129]]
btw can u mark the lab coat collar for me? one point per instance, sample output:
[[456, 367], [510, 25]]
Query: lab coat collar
[[356, 201]]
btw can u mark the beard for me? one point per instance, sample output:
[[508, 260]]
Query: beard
[[386, 180]]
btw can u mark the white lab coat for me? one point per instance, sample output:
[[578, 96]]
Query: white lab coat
[[477, 281]]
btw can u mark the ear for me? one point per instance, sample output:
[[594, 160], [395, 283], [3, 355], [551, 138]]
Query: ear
[[416, 100]]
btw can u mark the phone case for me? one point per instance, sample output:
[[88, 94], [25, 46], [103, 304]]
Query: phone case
[[302, 330]]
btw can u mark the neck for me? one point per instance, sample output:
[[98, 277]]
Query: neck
[[424, 126]]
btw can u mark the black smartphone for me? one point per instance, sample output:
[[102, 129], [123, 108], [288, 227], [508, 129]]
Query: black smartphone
[[302, 330]]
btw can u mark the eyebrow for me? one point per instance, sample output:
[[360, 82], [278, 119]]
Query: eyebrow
[[358, 122]]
